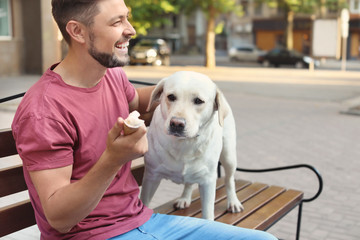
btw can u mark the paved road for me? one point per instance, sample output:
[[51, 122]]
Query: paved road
[[284, 117], [289, 117]]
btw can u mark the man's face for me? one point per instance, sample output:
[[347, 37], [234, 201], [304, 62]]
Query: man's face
[[110, 34]]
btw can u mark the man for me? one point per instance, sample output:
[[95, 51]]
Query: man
[[68, 132]]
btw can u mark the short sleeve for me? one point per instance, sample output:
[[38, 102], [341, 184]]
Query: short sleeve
[[128, 87], [43, 143]]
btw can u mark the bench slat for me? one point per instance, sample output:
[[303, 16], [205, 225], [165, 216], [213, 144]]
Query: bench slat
[[12, 180], [168, 207], [243, 195], [265, 216], [195, 206], [7, 143], [251, 205], [20, 213]]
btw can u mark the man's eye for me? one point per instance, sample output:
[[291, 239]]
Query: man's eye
[[198, 101], [171, 98], [117, 23]]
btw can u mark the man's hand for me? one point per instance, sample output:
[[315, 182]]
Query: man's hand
[[121, 148]]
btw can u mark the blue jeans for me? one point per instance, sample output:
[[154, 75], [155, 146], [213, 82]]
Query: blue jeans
[[170, 227]]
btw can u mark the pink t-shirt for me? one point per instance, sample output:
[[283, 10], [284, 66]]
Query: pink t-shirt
[[57, 125]]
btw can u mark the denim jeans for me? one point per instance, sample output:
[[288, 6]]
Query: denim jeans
[[170, 227]]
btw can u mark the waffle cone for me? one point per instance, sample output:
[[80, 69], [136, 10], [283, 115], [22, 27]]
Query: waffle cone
[[129, 129]]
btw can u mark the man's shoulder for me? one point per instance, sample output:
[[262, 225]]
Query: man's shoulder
[[36, 102], [116, 73]]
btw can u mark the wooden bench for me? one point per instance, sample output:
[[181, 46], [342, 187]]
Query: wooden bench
[[264, 204]]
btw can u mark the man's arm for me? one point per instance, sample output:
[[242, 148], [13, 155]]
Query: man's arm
[[64, 203], [140, 103]]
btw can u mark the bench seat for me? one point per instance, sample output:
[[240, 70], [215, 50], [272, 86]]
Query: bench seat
[[263, 204]]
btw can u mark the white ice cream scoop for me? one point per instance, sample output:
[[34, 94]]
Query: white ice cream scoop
[[132, 123]]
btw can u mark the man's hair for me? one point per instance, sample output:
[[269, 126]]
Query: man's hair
[[82, 11]]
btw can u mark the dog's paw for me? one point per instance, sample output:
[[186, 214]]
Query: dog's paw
[[235, 206], [182, 203]]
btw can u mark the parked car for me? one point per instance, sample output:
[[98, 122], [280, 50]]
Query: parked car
[[150, 51], [245, 53], [282, 56]]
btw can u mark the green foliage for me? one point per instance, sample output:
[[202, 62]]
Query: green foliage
[[305, 6], [221, 6], [336, 4], [154, 13], [146, 14], [219, 27]]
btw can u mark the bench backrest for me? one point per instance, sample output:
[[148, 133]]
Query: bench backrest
[[20, 215]]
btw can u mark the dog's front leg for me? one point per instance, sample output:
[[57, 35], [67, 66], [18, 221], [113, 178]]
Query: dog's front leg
[[148, 189], [207, 196], [185, 200]]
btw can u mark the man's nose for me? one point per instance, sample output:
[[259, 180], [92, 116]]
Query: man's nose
[[129, 30]]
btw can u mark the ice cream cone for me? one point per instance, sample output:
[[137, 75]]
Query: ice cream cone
[[129, 129], [132, 123]]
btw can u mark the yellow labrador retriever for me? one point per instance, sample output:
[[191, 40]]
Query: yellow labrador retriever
[[192, 128]]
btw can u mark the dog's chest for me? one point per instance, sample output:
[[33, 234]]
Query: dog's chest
[[182, 163], [181, 172]]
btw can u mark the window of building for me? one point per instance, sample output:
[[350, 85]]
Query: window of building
[[258, 8], [5, 19], [355, 6], [245, 7]]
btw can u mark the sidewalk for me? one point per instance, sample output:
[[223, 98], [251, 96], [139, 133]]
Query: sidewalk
[[223, 60], [275, 130]]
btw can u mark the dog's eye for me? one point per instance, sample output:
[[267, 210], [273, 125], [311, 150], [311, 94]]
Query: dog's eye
[[198, 101], [171, 98]]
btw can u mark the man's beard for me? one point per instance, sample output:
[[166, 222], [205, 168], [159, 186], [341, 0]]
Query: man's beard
[[105, 59]]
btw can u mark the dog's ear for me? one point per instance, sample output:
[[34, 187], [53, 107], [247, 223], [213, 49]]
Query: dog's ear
[[221, 106], [156, 93]]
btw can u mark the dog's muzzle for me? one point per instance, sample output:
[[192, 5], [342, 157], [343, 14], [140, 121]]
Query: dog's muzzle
[[177, 126]]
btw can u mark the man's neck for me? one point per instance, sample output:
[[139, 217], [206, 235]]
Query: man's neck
[[80, 70]]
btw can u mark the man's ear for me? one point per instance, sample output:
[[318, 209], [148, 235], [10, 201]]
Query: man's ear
[[76, 30]]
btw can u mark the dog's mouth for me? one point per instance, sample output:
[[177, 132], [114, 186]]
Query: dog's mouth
[[182, 135], [177, 134]]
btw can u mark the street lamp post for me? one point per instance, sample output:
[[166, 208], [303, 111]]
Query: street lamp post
[[345, 17]]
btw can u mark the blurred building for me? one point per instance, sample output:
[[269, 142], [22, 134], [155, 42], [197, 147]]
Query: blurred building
[[30, 41], [185, 33], [262, 26], [265, 27], [354, 29], [28, 37]]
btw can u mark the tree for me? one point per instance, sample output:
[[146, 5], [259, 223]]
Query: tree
[[147, 14], [293, 7], [212, 9], [152, 13]]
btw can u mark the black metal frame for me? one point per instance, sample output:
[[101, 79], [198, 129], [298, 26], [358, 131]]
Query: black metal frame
[[297, 166], [313, 169], [2, 100]]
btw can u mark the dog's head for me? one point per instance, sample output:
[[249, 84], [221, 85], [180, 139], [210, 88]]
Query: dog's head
[[188, 101]]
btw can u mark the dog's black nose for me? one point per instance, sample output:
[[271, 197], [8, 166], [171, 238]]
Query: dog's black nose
[[177, 125]]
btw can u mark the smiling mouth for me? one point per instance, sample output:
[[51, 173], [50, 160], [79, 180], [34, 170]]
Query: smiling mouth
[[122, 45]]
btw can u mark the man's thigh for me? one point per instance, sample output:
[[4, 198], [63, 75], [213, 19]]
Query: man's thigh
[[164, 227]]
